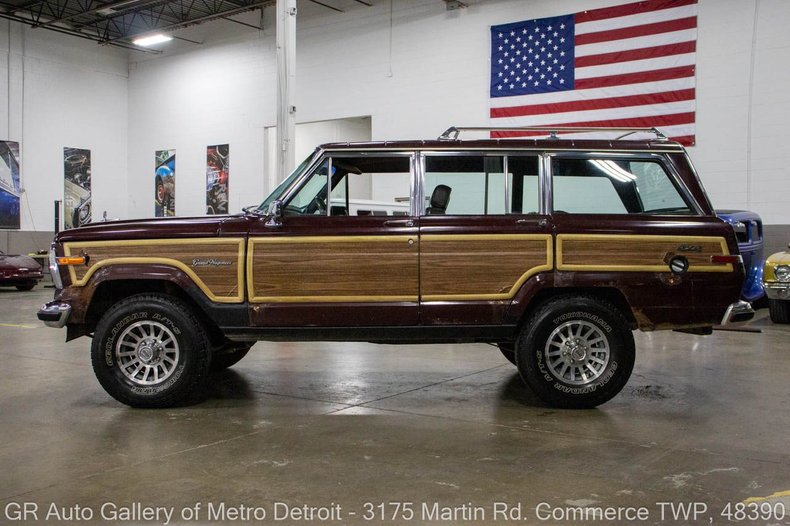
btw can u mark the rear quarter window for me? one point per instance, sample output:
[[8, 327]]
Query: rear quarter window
[[606, 185]]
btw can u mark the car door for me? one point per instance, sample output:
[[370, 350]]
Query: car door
[[345, 254], [483, 235]]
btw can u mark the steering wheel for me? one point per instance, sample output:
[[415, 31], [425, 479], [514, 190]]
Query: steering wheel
[[317, 206]]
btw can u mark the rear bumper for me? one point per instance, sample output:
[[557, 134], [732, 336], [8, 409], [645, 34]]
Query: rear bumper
[[738, 312], [54, 314]]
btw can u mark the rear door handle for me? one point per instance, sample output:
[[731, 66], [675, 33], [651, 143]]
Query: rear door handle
[[539, 222], [399, 222]]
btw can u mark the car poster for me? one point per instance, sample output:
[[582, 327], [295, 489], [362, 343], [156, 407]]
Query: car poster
[[217, 171], [9, 184], [77, 187], [165, 186]]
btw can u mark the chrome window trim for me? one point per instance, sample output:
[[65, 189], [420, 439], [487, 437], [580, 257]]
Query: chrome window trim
[[545, 186], [329, 186], [506, 169], [290, 192], [420, 194], [414, 190]]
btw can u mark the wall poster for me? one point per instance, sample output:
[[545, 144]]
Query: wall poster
[[165, 186], [9, 184], [77, 187], [217, 171]]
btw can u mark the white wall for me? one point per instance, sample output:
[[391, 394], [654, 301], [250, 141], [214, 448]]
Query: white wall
[[223, 93], [429, 72], [63, 92]]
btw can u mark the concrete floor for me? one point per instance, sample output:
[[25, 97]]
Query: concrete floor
[[703, 420]]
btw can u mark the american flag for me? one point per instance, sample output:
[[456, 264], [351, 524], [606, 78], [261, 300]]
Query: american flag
[[630, 65]]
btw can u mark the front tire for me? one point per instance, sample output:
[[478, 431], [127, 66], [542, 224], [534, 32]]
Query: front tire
[[149, 350], [576, 352], [26, 287], [779, 310]]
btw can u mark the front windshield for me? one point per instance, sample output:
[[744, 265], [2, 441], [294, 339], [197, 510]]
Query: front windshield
[[277, 192]]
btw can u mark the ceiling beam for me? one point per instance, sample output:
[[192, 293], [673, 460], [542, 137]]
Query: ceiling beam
[[193, 21], [95, 10], [79, 34], [333, 8]]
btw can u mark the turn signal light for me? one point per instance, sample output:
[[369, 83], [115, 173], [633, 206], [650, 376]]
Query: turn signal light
[[72, 260]]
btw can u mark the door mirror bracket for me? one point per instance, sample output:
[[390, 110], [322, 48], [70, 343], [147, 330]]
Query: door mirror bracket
[[274, 217]]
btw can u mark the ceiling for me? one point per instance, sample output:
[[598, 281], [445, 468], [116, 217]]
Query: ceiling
[[119, 22]]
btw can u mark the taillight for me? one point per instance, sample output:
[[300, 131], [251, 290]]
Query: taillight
[[728, 259]]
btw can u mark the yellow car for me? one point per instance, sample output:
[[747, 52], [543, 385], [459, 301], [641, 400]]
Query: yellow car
[[776, 277]]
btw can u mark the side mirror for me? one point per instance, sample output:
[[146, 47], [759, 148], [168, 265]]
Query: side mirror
[[274, 217]]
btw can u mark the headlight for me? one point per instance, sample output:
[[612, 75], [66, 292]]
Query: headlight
[[54, 270], [782, 272]]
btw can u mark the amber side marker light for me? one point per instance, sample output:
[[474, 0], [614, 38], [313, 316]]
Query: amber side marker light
[[72, 260], [723, 260]]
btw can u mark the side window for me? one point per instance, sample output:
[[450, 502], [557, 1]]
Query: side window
[[656, 190], [464, 185], [360, 185], [614, 186]]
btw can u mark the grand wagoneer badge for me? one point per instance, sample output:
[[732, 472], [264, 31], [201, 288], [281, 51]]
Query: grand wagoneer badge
[[197, 262]]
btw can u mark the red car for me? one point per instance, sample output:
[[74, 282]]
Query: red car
[[21, 272]]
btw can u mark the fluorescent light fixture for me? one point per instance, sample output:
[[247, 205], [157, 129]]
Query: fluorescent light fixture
[[151, 40]]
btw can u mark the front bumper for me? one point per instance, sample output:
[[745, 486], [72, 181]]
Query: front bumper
[[738, 312], [54, 314], [778, 291], [20, 278]]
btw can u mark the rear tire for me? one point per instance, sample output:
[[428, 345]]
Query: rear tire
[[26, 287], [779, 310], [150, 350], [230, 355], [508, 350], [576, 352]]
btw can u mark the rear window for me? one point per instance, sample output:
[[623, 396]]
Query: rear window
[[608, 185]]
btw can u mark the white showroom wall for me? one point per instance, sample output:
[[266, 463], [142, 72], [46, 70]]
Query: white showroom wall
[[63, 92], [221, 93], [420, 68]]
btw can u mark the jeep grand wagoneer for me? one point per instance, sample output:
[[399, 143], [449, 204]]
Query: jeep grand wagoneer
[[555, 249]]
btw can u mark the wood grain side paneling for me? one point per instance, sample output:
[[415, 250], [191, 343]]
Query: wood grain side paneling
[[636, 253], [215, 265], [333, 269], [480, 267]]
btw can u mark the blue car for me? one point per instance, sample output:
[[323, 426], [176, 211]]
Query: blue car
[[749, 231]]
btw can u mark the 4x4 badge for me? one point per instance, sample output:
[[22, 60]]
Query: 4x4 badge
[[689, 248]]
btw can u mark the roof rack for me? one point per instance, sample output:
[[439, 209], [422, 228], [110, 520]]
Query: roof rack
[[453, 132]]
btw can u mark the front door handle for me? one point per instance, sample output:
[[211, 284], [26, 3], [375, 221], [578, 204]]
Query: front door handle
[[399, 222]]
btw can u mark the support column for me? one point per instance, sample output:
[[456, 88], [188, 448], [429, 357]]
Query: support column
[[286, 75]]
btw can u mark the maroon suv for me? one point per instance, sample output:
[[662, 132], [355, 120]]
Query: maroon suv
[[554, 249]]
